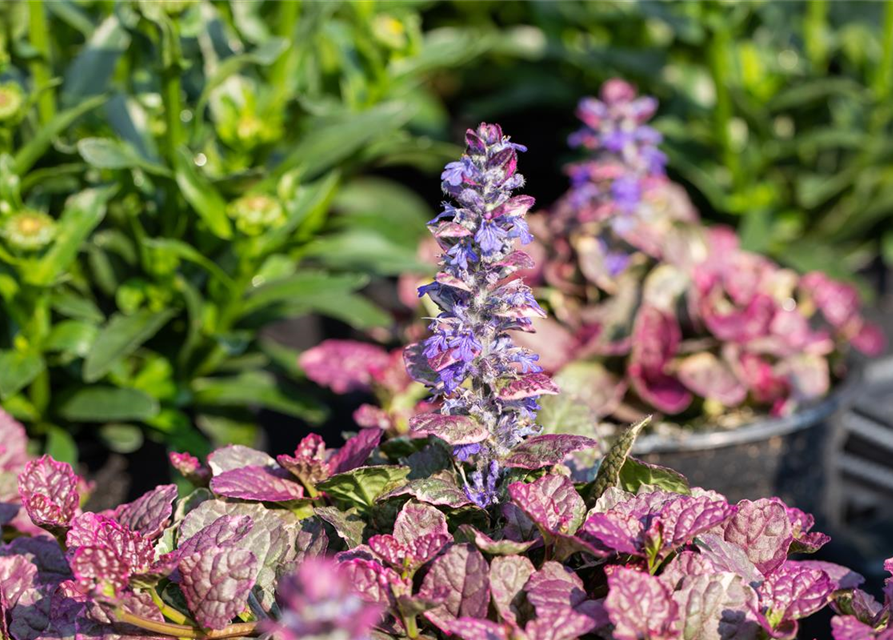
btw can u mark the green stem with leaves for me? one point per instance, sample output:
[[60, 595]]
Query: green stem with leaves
[[41, 71]]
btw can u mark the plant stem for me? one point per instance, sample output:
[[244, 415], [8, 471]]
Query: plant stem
[[244, 629], [815, 28], [412, 627], [167, 611], [38, 35]]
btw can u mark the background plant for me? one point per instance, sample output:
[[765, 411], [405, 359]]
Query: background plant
[[776, 116], [166, 181]]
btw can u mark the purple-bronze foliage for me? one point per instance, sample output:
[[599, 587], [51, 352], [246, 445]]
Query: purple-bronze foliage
[[489, 385]]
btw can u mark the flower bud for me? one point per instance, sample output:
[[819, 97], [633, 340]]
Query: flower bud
[[28, 230], [255, 214]]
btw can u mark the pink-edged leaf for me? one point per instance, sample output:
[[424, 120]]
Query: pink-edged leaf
[[439, 489], [508, 577], [871, 341], [416, 520], [411, 554], [17, 575], [455, 430], [552, 502], [150, 513], [488, 545], [216, 584], [450, 280], [546, 450], [41, 551], [257, 483], [640, 606], [418, 367], [343, 365], [805, 540], [660, 390], [516, 261], [475, 629], [190, 467], [236, 456], [225, 531], [356, 451], [683, 519], [102, 532], [684, 564], [842, 577], [763, 530], [568, 623], [554, 587], [49, 492], [717, 607], [614, 531], [728, 557], [310, 462], [461, 577], [514, 206], [529, 386], [100, 567], [375, 582], [710, 377], [795, 591], [851, 628], [451, 230]]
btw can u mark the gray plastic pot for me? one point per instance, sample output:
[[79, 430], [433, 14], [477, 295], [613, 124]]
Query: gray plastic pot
[[787, 457]]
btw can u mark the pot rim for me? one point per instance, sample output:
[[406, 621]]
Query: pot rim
[[762, 429]]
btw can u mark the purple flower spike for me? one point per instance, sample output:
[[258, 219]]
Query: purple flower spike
[[489, 385], [319, 601]]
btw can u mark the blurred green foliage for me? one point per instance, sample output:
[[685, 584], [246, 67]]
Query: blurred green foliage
[[168, 177], [777, 115]]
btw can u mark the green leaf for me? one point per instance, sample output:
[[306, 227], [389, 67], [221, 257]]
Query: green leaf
[[201, 194], [90, 71], [257, 389], [384, 207], [121, 438], [82, 213], [72, 336], [46, 134], [108, 404], [634, 473], [756, 230], [120, 337], [17, 371], [609, 471], [307, 285], [330, 140], [360, 487], [72, 305], [61, 446], [108, 153], [347, 524], [445, 48], [306, 209], [365, 250], [352, 309], [186, 251]]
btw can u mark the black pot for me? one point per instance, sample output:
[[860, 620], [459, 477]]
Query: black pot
[[787, 457]]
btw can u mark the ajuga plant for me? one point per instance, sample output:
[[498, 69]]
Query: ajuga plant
[[370, 541], [156, 212], [670, 315]]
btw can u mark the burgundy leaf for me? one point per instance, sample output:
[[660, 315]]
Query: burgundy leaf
[[656, 337], [216, 584], [257, 483], [150, 513], [546, 450], [763, 530], [504, 547], [684, 564], [729, 557], [225, 531], [518, 526], [553, 588], [850, 628], [640, 606], [100, 566], [455, 430], [49, 491], [355, 451], [551, 502], [375, 582], [190, 467], [475, 629], [529, 386], [614, 531], [683, 519], [462, 573], [309, 462]]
